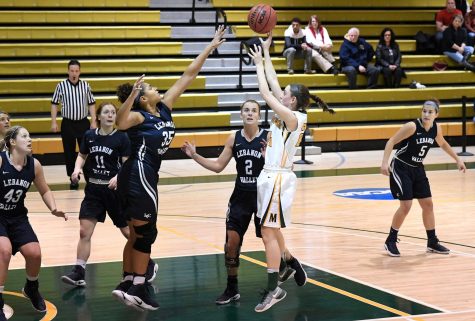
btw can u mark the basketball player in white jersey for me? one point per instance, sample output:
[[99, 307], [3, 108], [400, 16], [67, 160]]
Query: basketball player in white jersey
[[277, 183]]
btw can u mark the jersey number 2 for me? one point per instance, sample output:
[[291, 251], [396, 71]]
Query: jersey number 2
[[248, 167]]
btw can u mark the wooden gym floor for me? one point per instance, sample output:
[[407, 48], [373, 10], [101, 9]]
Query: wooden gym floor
[[340, 241]]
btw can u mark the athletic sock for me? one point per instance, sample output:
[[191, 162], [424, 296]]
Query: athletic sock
[[431, 235], [232, 282], [139, 279], [127, 276], [272, 278], [31, 278], [81, 263], [392, 235]]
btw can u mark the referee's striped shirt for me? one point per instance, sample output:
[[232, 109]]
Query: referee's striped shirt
[[75, 99]]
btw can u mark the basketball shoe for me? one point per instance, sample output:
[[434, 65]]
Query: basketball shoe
[[433, 246], [269, 298], [121, 289], [31, 292], [139, 295], [228, 295], [152, 269], [76, 277]]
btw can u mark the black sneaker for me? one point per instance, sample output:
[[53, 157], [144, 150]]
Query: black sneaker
[[76, 277], [121, 289], [31, 292], [269, 298], [152, 269], [391, 248], [300, 275], [2, 314], [285, 274], [138, 295], [435, 247], [227, 296]]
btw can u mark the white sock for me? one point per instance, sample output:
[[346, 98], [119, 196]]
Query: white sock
[[31, 278], [139, 280], [81, 263], [2, 288]]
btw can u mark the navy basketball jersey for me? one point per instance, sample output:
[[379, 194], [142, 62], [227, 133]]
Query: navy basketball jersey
[[249, 159], [104, 152], [14, 185], [151, 139], [414, 149]]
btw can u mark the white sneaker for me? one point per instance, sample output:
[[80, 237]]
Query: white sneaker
[[269, 298]]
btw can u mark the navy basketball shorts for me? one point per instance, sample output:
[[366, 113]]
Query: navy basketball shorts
[[137, 186], [242, 207], [408, 182], [98, 200], [18, 230]]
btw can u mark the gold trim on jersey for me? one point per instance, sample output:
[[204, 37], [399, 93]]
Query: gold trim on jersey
[[285, 155], [279, 215]]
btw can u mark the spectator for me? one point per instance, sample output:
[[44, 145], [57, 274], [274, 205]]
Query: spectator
[[4, 126], [76, 98], [388, 58], [454, 43], [321, 45], [295, 46], [462, 6], [470, 25], [443, 19], [355, 55]]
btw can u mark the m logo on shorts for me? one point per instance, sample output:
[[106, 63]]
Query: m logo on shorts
[[147, 215], [273, 218]]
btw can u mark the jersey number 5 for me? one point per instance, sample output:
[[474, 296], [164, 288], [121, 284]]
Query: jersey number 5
[[423, 151]]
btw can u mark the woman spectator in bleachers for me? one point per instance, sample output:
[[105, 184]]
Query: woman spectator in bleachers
[[388, 58], [470, 25], [4, 126], [318, 39], [454, 43]]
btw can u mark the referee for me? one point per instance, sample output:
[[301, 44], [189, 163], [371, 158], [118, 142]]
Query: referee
[[77, 100]]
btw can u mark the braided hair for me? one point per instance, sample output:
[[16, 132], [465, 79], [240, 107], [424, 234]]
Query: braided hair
[[302, 94]]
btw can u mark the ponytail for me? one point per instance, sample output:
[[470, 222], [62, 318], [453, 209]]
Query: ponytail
[[321, 104]]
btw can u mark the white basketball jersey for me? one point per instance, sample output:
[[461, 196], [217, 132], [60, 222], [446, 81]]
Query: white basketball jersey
[[282, 144]]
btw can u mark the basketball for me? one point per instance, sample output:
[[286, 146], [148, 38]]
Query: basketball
[[262, 18]]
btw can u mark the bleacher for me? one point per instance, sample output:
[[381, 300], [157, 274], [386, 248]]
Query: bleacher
[[116, 41]]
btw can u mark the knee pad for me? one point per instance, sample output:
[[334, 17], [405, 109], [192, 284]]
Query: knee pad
[[145, 236], [230, 261]]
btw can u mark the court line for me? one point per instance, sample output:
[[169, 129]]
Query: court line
[[51, 310], [422, 315], [314, 282], [379, 288]]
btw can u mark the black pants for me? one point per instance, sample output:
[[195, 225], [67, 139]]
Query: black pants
[[72, 131], [351, 72], [392, 78]]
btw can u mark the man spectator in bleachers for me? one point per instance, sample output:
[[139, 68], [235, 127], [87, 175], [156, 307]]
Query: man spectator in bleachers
[[470, 24], [355, 55], [443, 19], [296, 47]]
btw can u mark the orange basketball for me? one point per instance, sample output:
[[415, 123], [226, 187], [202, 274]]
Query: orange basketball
[[262, 18]]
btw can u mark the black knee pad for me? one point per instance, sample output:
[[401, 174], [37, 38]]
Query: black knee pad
[[229, 261], [145, 236]]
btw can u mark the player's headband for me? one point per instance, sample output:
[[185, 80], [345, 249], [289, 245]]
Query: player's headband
[[432, 103]]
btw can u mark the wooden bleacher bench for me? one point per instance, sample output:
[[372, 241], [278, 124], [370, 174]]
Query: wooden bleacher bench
[[323, 134], [75, 3], [85, 32], [79, 16], [331, 4], [104, 84], [77, 49], [338, 31], [340, 16]]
